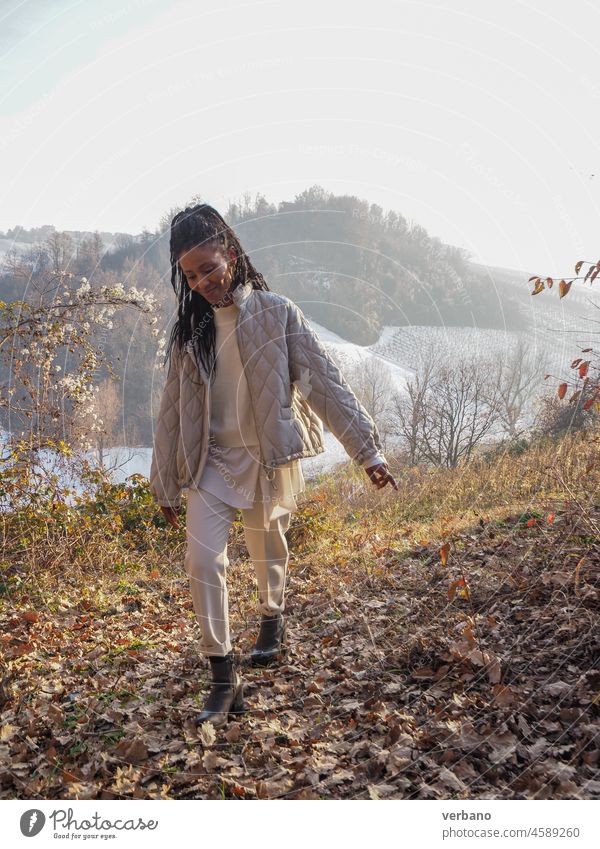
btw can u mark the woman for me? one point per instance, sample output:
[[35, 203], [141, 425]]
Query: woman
[[248, 385]]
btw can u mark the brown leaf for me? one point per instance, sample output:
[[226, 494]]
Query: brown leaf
[[494, 670], [56, 713], [504, 695], [503, 746], [211, 760], [30, 616], [539, 287], [444, 553], [423, 672], [232, 735], [563, 288], [270, 789], [132, 751], [378, 791], [451, 780]]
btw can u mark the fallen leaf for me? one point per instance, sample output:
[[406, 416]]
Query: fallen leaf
[[207, 734]]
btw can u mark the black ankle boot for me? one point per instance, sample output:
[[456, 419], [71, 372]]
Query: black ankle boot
[[226, 694], [270, 640]]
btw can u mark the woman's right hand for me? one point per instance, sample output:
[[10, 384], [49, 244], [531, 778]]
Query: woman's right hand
[[171, 514]]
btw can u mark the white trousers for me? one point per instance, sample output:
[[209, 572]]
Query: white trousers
[[208, 523]]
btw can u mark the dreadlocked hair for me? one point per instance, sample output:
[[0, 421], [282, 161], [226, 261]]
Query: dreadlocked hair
[[193, 226]]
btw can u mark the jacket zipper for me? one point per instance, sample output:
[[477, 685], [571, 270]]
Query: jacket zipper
[[270, 473]]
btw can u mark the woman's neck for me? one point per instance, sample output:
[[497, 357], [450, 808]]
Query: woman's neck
[[226, 300]]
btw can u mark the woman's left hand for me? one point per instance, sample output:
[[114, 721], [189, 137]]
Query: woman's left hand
[[380, 475]]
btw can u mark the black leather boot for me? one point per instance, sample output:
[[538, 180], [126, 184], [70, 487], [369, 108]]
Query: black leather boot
[[226, 696], [270, 640]]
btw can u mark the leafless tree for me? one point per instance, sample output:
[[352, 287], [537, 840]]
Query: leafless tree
[[373, 384], [517, 377], [60, 249], [409, 411], [449, 408]]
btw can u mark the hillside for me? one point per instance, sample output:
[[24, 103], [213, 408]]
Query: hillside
[[369, 282], [412, 672]]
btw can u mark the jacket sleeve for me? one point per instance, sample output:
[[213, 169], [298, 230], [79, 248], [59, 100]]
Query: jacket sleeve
[[164, 484], [373, 460], [328, 393]]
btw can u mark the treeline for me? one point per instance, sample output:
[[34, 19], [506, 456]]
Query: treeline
[[350, 266]]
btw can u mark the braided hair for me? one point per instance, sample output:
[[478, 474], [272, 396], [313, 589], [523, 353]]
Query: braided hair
[[193, 226]]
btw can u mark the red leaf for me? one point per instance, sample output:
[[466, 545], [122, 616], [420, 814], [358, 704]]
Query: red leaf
[[459, 584], [30, 616], [17, 651], [562, 390]]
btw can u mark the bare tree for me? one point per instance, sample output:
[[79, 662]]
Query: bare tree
[[60, 249], [409, 411], [449, 408], [517, 377], [409, 407], [373, 384]]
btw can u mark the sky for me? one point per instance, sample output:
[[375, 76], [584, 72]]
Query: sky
[[475, 119]]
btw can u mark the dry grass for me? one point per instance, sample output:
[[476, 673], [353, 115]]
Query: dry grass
[[389, 687]]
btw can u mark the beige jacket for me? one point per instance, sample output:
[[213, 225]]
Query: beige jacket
[[294, 384]]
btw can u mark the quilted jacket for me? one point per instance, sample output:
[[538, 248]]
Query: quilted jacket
[[294, 384]]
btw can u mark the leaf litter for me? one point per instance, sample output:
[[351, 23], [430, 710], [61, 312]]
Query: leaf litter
[[391, 687]]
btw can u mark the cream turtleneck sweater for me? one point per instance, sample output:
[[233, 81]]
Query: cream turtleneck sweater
[[232, 421]]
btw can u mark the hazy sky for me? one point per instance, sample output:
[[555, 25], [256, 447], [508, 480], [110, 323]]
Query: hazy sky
[[476, 119]]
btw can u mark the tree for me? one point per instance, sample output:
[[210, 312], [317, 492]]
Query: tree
[[48, 395], [516, 376], [449, 409], [409, 409], [89, 254], [555, 418], [373, 384], [61, 250]]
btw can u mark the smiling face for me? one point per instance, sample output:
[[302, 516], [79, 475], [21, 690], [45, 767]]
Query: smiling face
[[209, 272]]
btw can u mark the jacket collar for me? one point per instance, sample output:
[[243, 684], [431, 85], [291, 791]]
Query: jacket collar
[[242, 292]]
